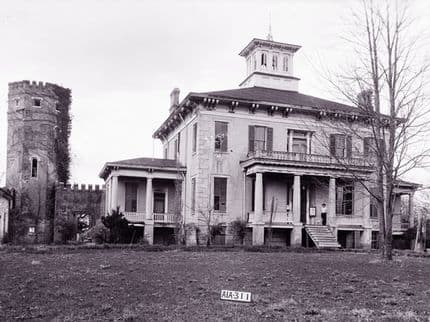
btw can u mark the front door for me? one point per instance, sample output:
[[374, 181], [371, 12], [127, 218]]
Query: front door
[[303, 204]]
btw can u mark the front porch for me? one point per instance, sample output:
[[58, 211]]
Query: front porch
[[149, 192], [299, 192]]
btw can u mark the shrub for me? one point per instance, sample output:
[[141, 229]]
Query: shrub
[[98, 234], [238, 229], [120, 231], [66, 227]]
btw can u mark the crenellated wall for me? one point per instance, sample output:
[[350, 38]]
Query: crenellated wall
[[75, 200]]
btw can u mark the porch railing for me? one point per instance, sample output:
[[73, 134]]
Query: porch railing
[[135, 216], [308, 158], [278, 217], [164, 218]]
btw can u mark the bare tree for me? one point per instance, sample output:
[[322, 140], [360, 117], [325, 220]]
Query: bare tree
[[388, 85]]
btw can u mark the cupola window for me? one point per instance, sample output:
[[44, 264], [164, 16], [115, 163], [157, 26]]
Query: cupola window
[[285, 64], [263, 59], [275, 62]]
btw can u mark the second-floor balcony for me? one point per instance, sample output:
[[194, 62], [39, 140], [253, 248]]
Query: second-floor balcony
[[305, 160]]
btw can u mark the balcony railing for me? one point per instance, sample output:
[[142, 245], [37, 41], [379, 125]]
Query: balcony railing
[[308, 158], [278, 217]]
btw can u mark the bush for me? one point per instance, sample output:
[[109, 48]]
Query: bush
[[98, 234], [66, 227], [238, 229], [120, 231]]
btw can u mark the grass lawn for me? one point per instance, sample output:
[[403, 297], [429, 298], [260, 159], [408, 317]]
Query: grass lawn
[[179, 285]]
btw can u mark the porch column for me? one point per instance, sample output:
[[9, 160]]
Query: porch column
[[149, 223], [308, 142], [366, 238], [411, 210], [296, 234], [258, 229], [296, 199], [331, 207], [148, 208], [114, 200]]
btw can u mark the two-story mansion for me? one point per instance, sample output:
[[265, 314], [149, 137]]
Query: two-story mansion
[[263, 153]]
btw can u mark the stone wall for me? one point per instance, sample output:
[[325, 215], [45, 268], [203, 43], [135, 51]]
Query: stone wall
[[73, 201]]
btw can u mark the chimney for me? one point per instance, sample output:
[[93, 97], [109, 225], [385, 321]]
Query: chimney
[[174, 99], [364, 100]]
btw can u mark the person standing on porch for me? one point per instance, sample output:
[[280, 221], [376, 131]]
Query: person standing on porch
[[324, 214]]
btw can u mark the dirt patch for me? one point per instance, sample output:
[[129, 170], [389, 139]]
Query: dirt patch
[[116, 284]]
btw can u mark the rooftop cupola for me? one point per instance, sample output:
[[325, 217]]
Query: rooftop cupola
[[270, 64]]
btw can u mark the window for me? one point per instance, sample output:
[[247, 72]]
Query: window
[[221, 136], [299, 142], [254, 59], [375, 240], [264, 59], [165, 152], [344, 199], [175, 146], [159, 202], [16, 102], [285, 63], [341, 145], [178, 148], [57, 106], [37, 102], [194, 137], [373, 203], [31, 230], [275, 62], [220, 194], [260, 138], [130, 197], [193, 195], [34, 167], [369, 146]]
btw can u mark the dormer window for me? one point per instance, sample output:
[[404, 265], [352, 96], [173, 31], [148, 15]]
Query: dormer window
[[285, 63], [264, 59], [275, 62], [37, 102]]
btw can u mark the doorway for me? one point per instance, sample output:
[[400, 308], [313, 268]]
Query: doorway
[[303, 204]]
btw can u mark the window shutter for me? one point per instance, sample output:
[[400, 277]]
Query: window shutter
[[251, 138], [348, 146], [366, 146], [224, 142], [269, 144], [333, 144]]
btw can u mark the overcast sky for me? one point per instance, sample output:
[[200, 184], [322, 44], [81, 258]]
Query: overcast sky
[[122, 59]]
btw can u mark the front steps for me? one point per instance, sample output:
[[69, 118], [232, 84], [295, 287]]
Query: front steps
[[322, 236]]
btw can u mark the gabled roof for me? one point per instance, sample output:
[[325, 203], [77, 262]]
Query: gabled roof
[[277, 96], [142, 163]]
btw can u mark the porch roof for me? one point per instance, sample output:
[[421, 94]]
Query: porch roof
[[142, 164]]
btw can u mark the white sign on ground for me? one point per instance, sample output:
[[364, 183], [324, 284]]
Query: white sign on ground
[[235, 296]]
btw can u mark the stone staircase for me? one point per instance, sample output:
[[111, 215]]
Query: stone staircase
[[322, 236]]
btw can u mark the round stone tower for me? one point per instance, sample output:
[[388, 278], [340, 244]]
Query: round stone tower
[[34, 114]]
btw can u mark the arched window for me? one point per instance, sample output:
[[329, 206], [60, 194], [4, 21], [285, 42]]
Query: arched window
[[285, 64], [34, 165], [275, 62], [263, 59]]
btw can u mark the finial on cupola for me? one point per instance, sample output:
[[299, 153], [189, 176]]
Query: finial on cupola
[[269, 35]]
